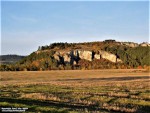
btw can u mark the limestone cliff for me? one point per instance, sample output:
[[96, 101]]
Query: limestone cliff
[[73, 56], [108, 56]]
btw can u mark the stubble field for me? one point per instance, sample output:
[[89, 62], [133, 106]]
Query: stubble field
[[74, 91]]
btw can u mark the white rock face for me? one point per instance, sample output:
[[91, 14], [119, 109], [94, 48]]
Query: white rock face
[[73, 56], [119, 60], [97, 56], [144, 44], [56, 57], [82, 54], [67, 58], [87, 55], [108, 56]]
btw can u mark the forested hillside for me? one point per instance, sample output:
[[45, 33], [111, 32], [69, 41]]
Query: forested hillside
[[9, 59], [108, 54]]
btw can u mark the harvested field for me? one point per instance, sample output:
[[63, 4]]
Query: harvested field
[[77, 91]]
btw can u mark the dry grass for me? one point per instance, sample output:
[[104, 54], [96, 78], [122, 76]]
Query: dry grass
[[77, 76], [79, 90]]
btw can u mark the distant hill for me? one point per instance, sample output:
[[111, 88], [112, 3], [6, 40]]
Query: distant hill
[[108, 54], [9, 59]]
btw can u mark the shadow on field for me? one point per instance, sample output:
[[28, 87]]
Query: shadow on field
[[108, 79], [49, 103], [69, 106]]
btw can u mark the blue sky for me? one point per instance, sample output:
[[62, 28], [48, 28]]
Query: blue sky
[[26, 25]]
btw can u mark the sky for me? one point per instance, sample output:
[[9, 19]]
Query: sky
[[25, 25]]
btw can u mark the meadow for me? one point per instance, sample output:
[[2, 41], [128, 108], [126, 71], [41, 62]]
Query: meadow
[[77, 91]]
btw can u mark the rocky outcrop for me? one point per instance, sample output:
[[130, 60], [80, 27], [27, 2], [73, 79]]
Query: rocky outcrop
[[144, 44], [57, 56], [67, 58], [108, 56], [85, 55], [72, 57], [81, 54], [130, 44], [97, 56], [119, 60]]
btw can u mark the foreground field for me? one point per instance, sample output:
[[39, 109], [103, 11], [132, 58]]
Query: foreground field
[[77, 91]]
